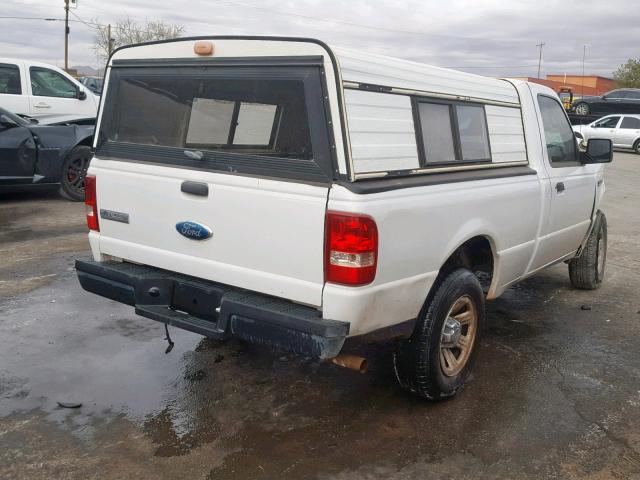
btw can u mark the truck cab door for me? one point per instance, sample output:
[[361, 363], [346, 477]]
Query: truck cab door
[[572, 185], [17, 154]]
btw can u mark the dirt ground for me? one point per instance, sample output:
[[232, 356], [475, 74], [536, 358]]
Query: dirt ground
[[555, 394]]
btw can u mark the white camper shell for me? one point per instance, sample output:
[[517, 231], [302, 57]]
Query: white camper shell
[[289, 193]]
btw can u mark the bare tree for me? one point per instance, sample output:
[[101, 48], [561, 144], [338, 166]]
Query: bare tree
[[129, 31]]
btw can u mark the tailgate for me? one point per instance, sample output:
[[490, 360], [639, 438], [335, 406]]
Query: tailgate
[[219, 172]]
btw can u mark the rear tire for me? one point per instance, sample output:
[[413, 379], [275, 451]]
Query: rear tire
[[421, 364], [582, 109], [636, 147], [587, 271], [74, 169]]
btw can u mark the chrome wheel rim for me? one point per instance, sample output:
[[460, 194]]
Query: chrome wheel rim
[[581, 109], [458, 336]]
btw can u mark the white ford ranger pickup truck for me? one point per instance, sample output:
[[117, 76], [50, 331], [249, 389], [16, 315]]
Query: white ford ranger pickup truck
[[283, 192]]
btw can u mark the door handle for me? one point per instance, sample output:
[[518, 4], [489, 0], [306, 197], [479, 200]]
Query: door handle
[[42, 105], [200, 189], [560, 187]]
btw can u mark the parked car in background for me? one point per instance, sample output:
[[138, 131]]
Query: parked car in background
[[92, 83], [623, 100], [43, 156], [40, 90], [314, 198], [622, 130]]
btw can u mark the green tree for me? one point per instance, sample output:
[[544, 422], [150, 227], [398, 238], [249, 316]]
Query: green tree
[[128, 31], [628, 75]]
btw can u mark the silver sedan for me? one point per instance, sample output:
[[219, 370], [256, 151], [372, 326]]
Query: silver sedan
[[622, 130]]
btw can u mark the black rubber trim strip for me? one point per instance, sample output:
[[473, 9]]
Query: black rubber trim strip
[[274, 61], [200, 189], [378, 185], [217, 162]]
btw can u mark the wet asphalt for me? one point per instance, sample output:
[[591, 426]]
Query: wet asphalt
[[555, 393]]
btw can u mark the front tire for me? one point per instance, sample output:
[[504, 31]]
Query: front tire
[[74, 169], [587, 271], [438, 358], [582, 109], [636, 147]]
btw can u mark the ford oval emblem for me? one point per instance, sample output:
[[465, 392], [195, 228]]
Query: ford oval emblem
[[194, 230]]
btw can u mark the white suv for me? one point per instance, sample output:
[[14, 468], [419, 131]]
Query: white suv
[[44, 92]]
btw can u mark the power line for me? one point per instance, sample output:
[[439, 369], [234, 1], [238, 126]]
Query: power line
[[49, 19], [88, 24], [36, 18]]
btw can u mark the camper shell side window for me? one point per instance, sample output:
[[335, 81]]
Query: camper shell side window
[[395, 134], [451, 132]]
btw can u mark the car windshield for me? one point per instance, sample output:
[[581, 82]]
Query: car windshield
[[14, 117]]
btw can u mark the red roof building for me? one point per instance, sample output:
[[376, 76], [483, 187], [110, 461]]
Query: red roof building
[[580, 86]]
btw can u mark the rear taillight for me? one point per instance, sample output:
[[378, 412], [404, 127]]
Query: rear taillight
[[351, 249], [91, 202]]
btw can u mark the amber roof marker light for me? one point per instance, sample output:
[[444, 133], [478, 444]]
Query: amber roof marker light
[[203, 47]]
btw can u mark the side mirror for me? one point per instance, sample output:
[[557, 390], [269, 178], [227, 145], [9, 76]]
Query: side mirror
[[7, 122], [599, 150], [82, 95]]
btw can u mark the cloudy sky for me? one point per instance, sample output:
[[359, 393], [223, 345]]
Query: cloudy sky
[[490, 37]]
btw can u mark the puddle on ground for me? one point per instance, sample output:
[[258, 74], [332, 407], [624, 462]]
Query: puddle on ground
[[287, 413]]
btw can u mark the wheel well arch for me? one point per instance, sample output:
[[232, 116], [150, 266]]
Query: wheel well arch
[[477, 254], [636, 142]]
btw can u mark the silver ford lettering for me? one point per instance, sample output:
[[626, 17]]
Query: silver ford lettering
[[114, 216], [193, 230]]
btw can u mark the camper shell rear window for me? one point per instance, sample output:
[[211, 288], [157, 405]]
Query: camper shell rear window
[[250, 119]]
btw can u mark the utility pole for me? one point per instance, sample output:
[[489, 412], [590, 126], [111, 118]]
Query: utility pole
[[110, 41], [584, 54], [66, 35], [541, 44]]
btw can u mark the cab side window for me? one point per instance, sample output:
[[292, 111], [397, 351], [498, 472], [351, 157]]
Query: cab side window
[[10, 79], [561, 143], [632, 123], [616, 94], [609, 122], [48, 83]]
